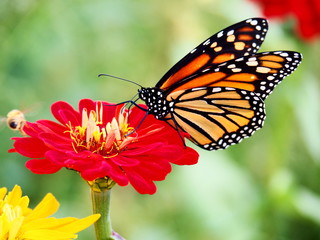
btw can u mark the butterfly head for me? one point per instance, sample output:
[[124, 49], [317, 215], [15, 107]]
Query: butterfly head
[[156, 102]]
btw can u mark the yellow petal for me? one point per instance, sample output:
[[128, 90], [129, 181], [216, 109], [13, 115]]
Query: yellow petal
[[24, 203], [48, 223], [48, 206], [80, 224], [15, 227], [42, 234], [13, 197], [4, 227], [3, 192]]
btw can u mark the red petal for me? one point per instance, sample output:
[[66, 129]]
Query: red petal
[[30, 147], [32, 129], [125, 161], [142, 185], [55, 141], [137, 115], [53, 126], [101, 170], [42, 166], [154, 171], [12, 150], [108, 108], [139, 148], [65, 113], [189, 157], [87, 104], [118, 175], [56, 157], [109, 112]]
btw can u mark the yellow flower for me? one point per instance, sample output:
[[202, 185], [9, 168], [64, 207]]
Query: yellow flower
[[18, 222]]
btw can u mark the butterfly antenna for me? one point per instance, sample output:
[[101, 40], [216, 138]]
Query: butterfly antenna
[[123, 79]]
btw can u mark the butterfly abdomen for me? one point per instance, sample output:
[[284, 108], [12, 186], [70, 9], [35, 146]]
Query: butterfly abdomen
[[156, 102]]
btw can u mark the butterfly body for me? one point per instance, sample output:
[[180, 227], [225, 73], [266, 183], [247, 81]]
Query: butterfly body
[[216, 92]]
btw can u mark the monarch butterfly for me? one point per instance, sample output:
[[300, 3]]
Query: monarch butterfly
[[216, 92]]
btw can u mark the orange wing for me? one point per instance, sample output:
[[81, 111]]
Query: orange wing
[[241, 39], [259, 73], [217, 117]]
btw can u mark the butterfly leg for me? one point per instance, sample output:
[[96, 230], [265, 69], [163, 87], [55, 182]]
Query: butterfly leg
[[175, 127], [139, 125]]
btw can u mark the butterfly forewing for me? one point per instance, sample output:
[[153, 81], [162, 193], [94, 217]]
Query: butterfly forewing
[[218, 117], [258, 73], [241, 39]]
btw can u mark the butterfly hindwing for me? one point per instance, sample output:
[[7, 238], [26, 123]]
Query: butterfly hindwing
[[217, 117], [241, 39]]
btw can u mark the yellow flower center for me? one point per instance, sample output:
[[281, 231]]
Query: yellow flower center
[[104, 139]]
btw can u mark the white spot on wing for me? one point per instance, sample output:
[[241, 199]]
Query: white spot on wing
[[206, 42], [230, 32], [216, 90], [254, 22], [220, 34], [192, 51], [252, 63], [197, 89], [236, 69], [263, 69]]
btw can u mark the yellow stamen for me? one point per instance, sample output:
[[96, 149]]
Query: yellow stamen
[[105, 139]]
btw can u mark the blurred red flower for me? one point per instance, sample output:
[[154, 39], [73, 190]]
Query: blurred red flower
[[306, 12], [102, 140]]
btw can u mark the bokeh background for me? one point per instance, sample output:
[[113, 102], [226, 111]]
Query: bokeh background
[[267, 187]]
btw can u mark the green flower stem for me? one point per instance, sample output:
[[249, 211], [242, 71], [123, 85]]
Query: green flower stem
[[101, 204]]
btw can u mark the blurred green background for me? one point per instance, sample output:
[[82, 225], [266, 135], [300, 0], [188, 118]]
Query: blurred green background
[[267, 187]]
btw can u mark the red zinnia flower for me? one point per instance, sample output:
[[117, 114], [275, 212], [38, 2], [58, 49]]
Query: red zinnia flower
[[307, 13], [102, 140]]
